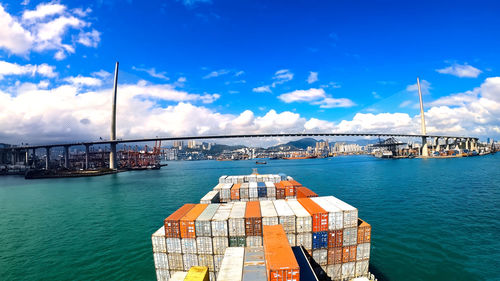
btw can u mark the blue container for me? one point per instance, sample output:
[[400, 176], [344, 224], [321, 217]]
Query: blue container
[[262, 191], [261, 184], [320, 240]]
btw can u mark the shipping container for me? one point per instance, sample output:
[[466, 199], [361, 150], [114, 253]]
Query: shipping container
[[219, 220], [204, 245], [262, 192], [244, 191], [271, 189], [348, 270], [237, 241], [237, 219], [172, 224], [349, 253], [280, 260], [187, 222], [222, 178], [254, 264], [362, 268], [217, 262], [207, 260], [294, 183], [231, 268], [161, 260], [304, 192], [335, 214], [253, 193], [178, 276], [289, 188], [350, 213], [220, 244], [286, 216], [280, 190], [335, 238], [350, 236], [302, 217], [291, 239], [319, 240], [269, 214], [253, 219], [162, 275], [318, 214], [203, 222], [364, 231], [363, 251], [304, 239], [189, 261], [197, 273], [335, 255], [175, 262], [188, 245], [334, 271], [320, 256], [235, 191], [211, 197], [254, 241], [158, 241], [225, 192], [173, 245]]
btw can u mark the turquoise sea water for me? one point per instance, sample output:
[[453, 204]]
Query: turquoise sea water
[[434, 219]]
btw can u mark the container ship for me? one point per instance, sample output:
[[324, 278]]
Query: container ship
[[263, 227]]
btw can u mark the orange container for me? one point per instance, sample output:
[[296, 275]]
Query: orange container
[[172, 222], [280, 260], [235, 191], [335, 255], [304, 192], [280, 190], [318, 214], [364, 231], [335, 238], [187, 221], [295, 183], [253, 219], [349, 253], [289, 188]]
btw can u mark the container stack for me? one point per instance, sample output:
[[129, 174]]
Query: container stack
[[280, 260]]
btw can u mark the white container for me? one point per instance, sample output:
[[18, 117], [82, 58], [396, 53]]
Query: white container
[[175, 262], [348, 270], [335, 214], [211, 197], [320, 256], [178, 276], [350, 236], [253, 192], [362, 268], [237, 219], [225, 192], [350, 213], [252, 185], [217, 262], [334, 271], [189, 260], [173, 245], [161, 260], [220, 244], [302, 217], [206, 260], [269, 214], [291, 239], [219, 220], [254, 241], [218, 186], [363, 251], [252, 178], [222, 178], [304, 239], [204, 245], [285, 215], [162, 275], [158, 241], [188, 245], [203, 223], [231, 268], [211, 276]]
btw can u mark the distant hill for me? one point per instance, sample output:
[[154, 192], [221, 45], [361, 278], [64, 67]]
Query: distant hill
[[294, 145]]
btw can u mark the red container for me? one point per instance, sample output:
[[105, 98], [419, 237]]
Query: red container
[[172, 222], [335, 255], [335, 238], [280, 260], [280, 190], [349, 253], [235, 191], [364, 231], [289, 188], [318, 214], [253, 219], [187, 226], [304, 192]]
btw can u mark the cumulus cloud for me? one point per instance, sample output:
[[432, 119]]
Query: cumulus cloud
[[262, 89], [316, 97], [313, 77], [10, 69], [461, 70], [282, 76], [84, 81], [44, 28], [152, 72]]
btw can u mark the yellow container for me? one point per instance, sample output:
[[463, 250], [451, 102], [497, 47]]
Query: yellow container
[[197, 273]]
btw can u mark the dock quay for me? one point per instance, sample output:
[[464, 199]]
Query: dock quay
[[263, 227]]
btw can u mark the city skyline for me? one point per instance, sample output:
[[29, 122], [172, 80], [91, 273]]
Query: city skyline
[[215, 67]]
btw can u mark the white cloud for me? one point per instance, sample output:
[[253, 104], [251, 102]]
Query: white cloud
[[282, 76], [313, 77], [461, 70], [216, 73], [13, 36], [262, 89], [84, 81], [103, 74], [334, 103], [43, 10], [10, 69], [316, 97], [191, 3], [89, 39], [239, 73], [152, 72], [425, 86]]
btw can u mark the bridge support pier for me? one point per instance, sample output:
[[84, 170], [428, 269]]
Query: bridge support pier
[[47, 158], [66, 157], [436, 144], [87, 146], [467, 144], [447, 140], [26, 157], [425, 148], [13, 157], [33, 158], [112, 156]]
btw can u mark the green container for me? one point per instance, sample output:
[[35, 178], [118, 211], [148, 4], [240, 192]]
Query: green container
[[237, 241]]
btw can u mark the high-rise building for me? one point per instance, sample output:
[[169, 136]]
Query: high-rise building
[[178, 144]]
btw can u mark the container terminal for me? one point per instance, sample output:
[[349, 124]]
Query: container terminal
[[263, 227]]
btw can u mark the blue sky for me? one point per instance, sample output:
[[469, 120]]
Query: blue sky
[[198, 67]]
